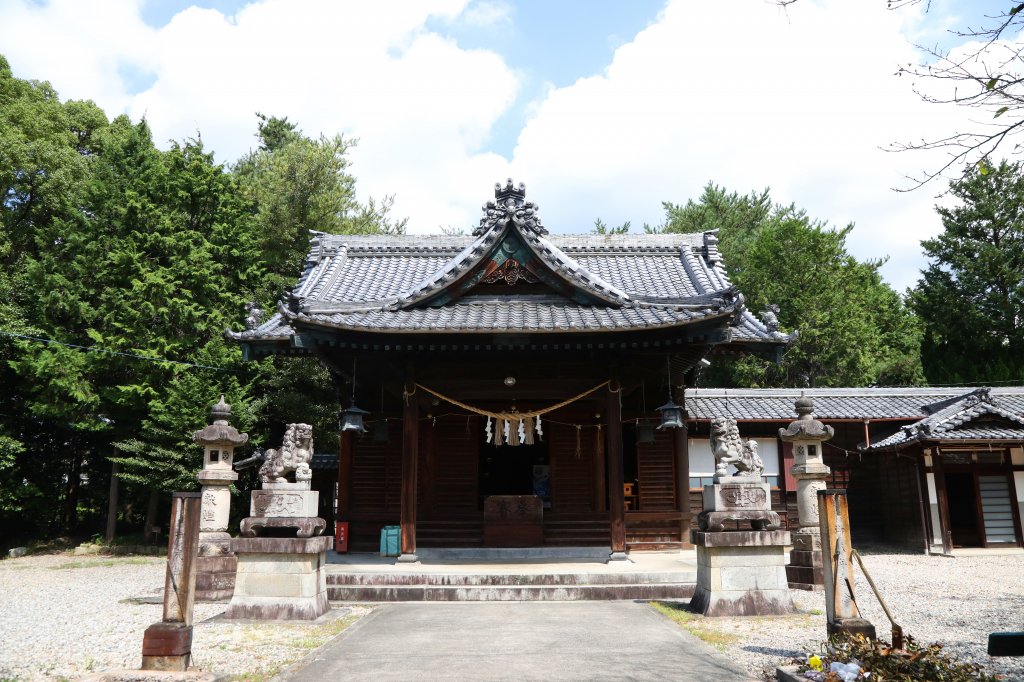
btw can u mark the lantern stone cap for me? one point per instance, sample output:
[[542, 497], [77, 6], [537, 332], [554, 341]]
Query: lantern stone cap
[[806, 427], [220, 432]]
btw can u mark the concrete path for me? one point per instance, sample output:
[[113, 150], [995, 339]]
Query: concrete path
[[618, 640]]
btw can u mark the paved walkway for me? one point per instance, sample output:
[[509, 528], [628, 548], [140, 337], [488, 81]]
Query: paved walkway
[[618, 640]]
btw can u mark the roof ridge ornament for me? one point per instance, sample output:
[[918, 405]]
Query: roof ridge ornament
[[510, 204]]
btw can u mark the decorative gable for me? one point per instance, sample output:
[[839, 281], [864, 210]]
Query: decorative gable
[[511, 247]]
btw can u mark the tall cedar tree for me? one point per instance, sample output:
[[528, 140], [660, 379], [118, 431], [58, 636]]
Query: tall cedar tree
[[854, 330], [971, 296]]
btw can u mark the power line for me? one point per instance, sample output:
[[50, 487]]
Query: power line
[[93, 349]]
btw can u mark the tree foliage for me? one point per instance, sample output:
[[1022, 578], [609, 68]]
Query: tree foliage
[[854, 330], [121, 265], [970, 298]]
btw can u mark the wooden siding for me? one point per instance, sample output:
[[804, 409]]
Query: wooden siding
[[656, 474], [449, 482], [572, 480]]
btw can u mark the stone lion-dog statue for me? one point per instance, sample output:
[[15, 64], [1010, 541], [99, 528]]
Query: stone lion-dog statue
[[728, 448], [292, 458]]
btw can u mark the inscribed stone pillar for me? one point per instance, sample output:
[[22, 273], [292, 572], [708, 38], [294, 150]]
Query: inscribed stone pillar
[[807, 435]]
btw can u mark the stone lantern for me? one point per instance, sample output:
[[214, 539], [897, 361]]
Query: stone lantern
[[216, 564], [807, 435]]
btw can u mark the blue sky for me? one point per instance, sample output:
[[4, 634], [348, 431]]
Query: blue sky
[[603, 108]]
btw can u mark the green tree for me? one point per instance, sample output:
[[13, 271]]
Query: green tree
[[970, 298], [297, 185], [854, 330]]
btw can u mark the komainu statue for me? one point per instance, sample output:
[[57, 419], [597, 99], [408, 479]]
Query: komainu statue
[[293, 457], [728, 448]]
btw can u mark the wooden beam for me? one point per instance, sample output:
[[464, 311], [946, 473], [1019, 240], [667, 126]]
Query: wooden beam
[[410, 458], [616, 497]]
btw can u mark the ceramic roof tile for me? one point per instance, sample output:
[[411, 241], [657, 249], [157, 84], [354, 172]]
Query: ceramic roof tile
[[831, 403], [388, 283]]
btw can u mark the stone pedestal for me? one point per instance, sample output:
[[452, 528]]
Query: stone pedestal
[[280, 578], [741, 573], [283, 508], [746, 500], [804, 570], [215, 567]]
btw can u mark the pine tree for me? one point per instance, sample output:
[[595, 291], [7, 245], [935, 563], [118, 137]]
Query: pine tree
[[971, 296]]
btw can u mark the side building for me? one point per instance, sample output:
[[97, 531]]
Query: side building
[[927, 469]]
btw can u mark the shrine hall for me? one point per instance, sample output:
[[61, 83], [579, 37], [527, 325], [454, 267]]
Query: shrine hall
[[513, 387]]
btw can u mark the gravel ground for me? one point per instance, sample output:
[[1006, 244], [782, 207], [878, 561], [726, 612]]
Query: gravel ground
[[957, 602], [63, 616]]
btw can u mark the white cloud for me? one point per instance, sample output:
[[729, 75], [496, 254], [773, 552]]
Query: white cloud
[[484, 14], [739, 93], [748, 97], [421, 105]]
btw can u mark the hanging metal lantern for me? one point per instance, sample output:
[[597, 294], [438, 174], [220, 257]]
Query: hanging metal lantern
[[671, 416], [381, 433], [644, 432], [352, 419]]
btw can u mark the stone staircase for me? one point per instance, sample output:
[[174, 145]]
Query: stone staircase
[[508, 575]]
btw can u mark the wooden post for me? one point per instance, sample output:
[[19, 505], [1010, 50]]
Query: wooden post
[[168, 645], [410, 459], [346, 443], [940, 492], [616, 496], [681, 449], [600, 476], [841, 609]]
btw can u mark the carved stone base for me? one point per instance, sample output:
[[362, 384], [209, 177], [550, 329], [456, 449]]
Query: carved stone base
[[280, 579], [714, 521], [287, 502], [741, 573], [734, 494], [306, 527]]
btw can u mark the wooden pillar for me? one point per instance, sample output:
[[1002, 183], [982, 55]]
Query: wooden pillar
[[346, 443], [600, 477], [940, 492], [922, 505], [410, 459], [681, 450], [616, 498]]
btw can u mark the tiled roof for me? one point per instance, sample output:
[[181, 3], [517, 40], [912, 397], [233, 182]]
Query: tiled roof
[[832, 403], [597, 283], [978, 415]]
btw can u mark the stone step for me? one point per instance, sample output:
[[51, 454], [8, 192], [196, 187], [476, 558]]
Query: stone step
[[389, 579], [391, 593], [514, 554]]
